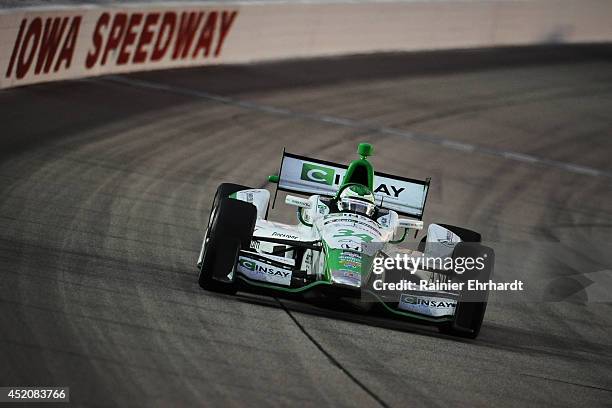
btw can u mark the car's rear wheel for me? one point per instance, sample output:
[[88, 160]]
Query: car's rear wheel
[[230, 228]]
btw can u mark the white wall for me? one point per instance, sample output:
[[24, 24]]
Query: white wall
[[266, 31]]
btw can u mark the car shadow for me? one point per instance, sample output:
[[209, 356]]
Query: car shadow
[[492, 335]]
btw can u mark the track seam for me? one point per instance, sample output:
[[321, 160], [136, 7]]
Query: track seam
[[442, 142], [595, 387], [331, 358]]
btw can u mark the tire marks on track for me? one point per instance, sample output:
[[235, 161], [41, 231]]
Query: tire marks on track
[[332, 359]]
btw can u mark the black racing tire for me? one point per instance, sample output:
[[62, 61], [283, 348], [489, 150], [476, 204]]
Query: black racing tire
[[422, 243], [230, 228], [471, 305], [223, 191]]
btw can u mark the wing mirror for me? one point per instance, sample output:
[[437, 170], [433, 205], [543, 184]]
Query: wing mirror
[[410, 224], [297, 201], [300, 203], [406, 224]]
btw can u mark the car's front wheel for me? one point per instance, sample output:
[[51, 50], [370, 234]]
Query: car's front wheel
[[230, 228], [472, 304]]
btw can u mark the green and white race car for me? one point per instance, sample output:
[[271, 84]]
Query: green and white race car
[[348, 227]]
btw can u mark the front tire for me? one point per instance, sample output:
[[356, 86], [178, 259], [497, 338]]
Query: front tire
[[471, 305], [230, 228]]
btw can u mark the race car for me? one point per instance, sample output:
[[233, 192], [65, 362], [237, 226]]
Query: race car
[[350, 222]]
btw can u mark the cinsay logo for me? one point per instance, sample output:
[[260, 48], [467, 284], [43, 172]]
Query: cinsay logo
[[413, 300], [317, 174], [269, 270], [247, 264], [409, 299]]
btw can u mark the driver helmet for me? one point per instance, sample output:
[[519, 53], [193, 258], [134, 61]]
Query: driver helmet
[[358, 199]]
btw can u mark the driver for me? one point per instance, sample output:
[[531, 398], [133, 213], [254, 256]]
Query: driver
[[357, 199]]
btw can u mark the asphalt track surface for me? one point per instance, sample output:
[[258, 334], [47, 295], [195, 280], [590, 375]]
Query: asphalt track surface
[[106, 185]]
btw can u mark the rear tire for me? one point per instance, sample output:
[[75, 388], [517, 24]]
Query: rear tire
[[230, 228]]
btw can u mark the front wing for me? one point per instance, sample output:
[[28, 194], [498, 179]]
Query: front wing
[[276, 273]]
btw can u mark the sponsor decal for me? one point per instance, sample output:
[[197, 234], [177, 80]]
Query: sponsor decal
[[432, 306], [352, 220], [350, 261], [385, 221], [414, 300], [323, 209], [262, 271], [299, 202], [346, 267], [349, 244], [350, 265], [448, 241], [346, 278], [307, 262], [350, 256], [327, 175], [346, 232], [392, 192], [317, 174], [351, 275], [283, 235], [372, 228]]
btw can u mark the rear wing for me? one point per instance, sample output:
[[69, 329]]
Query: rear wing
[[299, 174]]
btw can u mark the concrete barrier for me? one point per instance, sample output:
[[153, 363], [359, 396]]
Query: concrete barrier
[[45, 44]]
